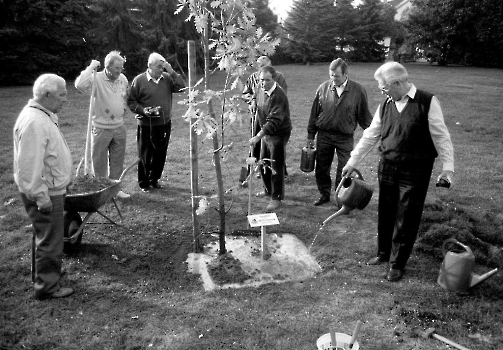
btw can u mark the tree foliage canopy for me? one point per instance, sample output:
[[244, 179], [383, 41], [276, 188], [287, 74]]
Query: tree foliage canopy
[[62, 36], [319, 30], [458, 31], [41, 36]]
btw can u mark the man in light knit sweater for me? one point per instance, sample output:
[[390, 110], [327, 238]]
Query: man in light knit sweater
[[109, 132], [410, 127], [42, 172], [151, 99]]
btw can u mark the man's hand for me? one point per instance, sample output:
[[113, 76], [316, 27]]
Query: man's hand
[[254, 140], [147, 112], [168, 67], [94, 64], [252, 107], [348, 169], [46, 207], [446, 175]]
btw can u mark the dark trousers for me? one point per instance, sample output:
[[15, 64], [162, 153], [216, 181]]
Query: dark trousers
[[273, 147], [256, 149], [152, 148], [326, 147], [47, 249], [402, 192]]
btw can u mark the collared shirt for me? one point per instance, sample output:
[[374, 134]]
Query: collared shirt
[[269, 92], [340, 88], [149, 77], [438, 130]]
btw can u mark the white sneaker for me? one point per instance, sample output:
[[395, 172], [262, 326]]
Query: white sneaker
[[122, 195]]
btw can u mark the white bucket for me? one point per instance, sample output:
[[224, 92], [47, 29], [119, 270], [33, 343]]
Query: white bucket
[[342, 339]]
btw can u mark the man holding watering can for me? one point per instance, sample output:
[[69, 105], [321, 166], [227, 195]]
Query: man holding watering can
[[410, 125]]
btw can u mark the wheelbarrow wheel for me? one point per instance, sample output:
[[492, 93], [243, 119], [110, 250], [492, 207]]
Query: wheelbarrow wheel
[[73, 221]]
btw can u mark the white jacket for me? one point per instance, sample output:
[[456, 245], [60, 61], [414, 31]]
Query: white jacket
[[42, 159]]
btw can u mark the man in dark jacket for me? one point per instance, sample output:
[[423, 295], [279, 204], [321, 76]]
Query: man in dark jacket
[[340, 105], [410, 127], [150, 98], [273, 113], [250, 90]]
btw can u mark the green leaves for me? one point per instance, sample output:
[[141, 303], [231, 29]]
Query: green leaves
[[235, 43]]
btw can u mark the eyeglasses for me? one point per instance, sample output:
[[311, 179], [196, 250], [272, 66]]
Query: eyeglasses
[[386, 87]]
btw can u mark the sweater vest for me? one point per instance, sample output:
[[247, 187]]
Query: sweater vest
[[405, 136]]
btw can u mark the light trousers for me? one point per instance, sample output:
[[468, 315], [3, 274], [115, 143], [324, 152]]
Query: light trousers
[[109, 149]]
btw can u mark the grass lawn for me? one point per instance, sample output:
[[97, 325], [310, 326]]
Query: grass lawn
[[132, 287]]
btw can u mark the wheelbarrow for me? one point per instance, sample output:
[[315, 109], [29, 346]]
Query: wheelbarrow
[[89, 202]]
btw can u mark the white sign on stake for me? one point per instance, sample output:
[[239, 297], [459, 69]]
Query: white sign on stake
[[263, 219]]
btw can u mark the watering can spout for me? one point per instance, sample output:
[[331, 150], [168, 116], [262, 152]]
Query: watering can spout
[[476, 279], [343, 211]]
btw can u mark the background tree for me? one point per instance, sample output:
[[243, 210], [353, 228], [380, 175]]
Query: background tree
[[324, 29], [374, 22], [138, 28], [310, 30], [345, 28], [264, 17], [41, 36], [458, 31]]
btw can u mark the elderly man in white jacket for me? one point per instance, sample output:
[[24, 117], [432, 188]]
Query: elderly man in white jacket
[[42, 172]]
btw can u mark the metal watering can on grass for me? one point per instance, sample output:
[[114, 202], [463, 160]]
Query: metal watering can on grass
[[456, 271]]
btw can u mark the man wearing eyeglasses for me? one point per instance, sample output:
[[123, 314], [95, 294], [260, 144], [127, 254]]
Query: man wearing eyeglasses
[[339, 106], [410, 127], [110, 105], [273, 113]]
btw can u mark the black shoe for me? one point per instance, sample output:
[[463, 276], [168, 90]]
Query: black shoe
[[322, 200], [156, 185], [145, 189], [62, 292], [394, 275], [377, 261], [262, 194]]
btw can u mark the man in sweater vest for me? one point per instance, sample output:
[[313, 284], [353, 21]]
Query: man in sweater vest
[[339, 106], [151, 97], [109, 133], [410, 126]]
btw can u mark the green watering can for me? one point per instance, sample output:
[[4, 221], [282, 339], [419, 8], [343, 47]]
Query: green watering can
[[456, 273]]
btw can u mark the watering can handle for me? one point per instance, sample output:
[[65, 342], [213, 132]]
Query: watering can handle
[[454, 241], [359, 176]]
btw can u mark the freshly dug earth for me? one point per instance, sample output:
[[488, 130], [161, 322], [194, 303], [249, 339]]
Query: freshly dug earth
[[227, 269], [88, 184]]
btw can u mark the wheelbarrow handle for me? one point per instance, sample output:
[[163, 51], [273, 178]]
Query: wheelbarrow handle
[[128, 168]]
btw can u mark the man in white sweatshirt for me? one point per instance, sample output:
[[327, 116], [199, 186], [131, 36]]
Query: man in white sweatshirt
[[42, 171], [110, 105]]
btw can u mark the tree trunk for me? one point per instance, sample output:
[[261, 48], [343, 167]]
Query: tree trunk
[[194, 167], [216, 150]]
